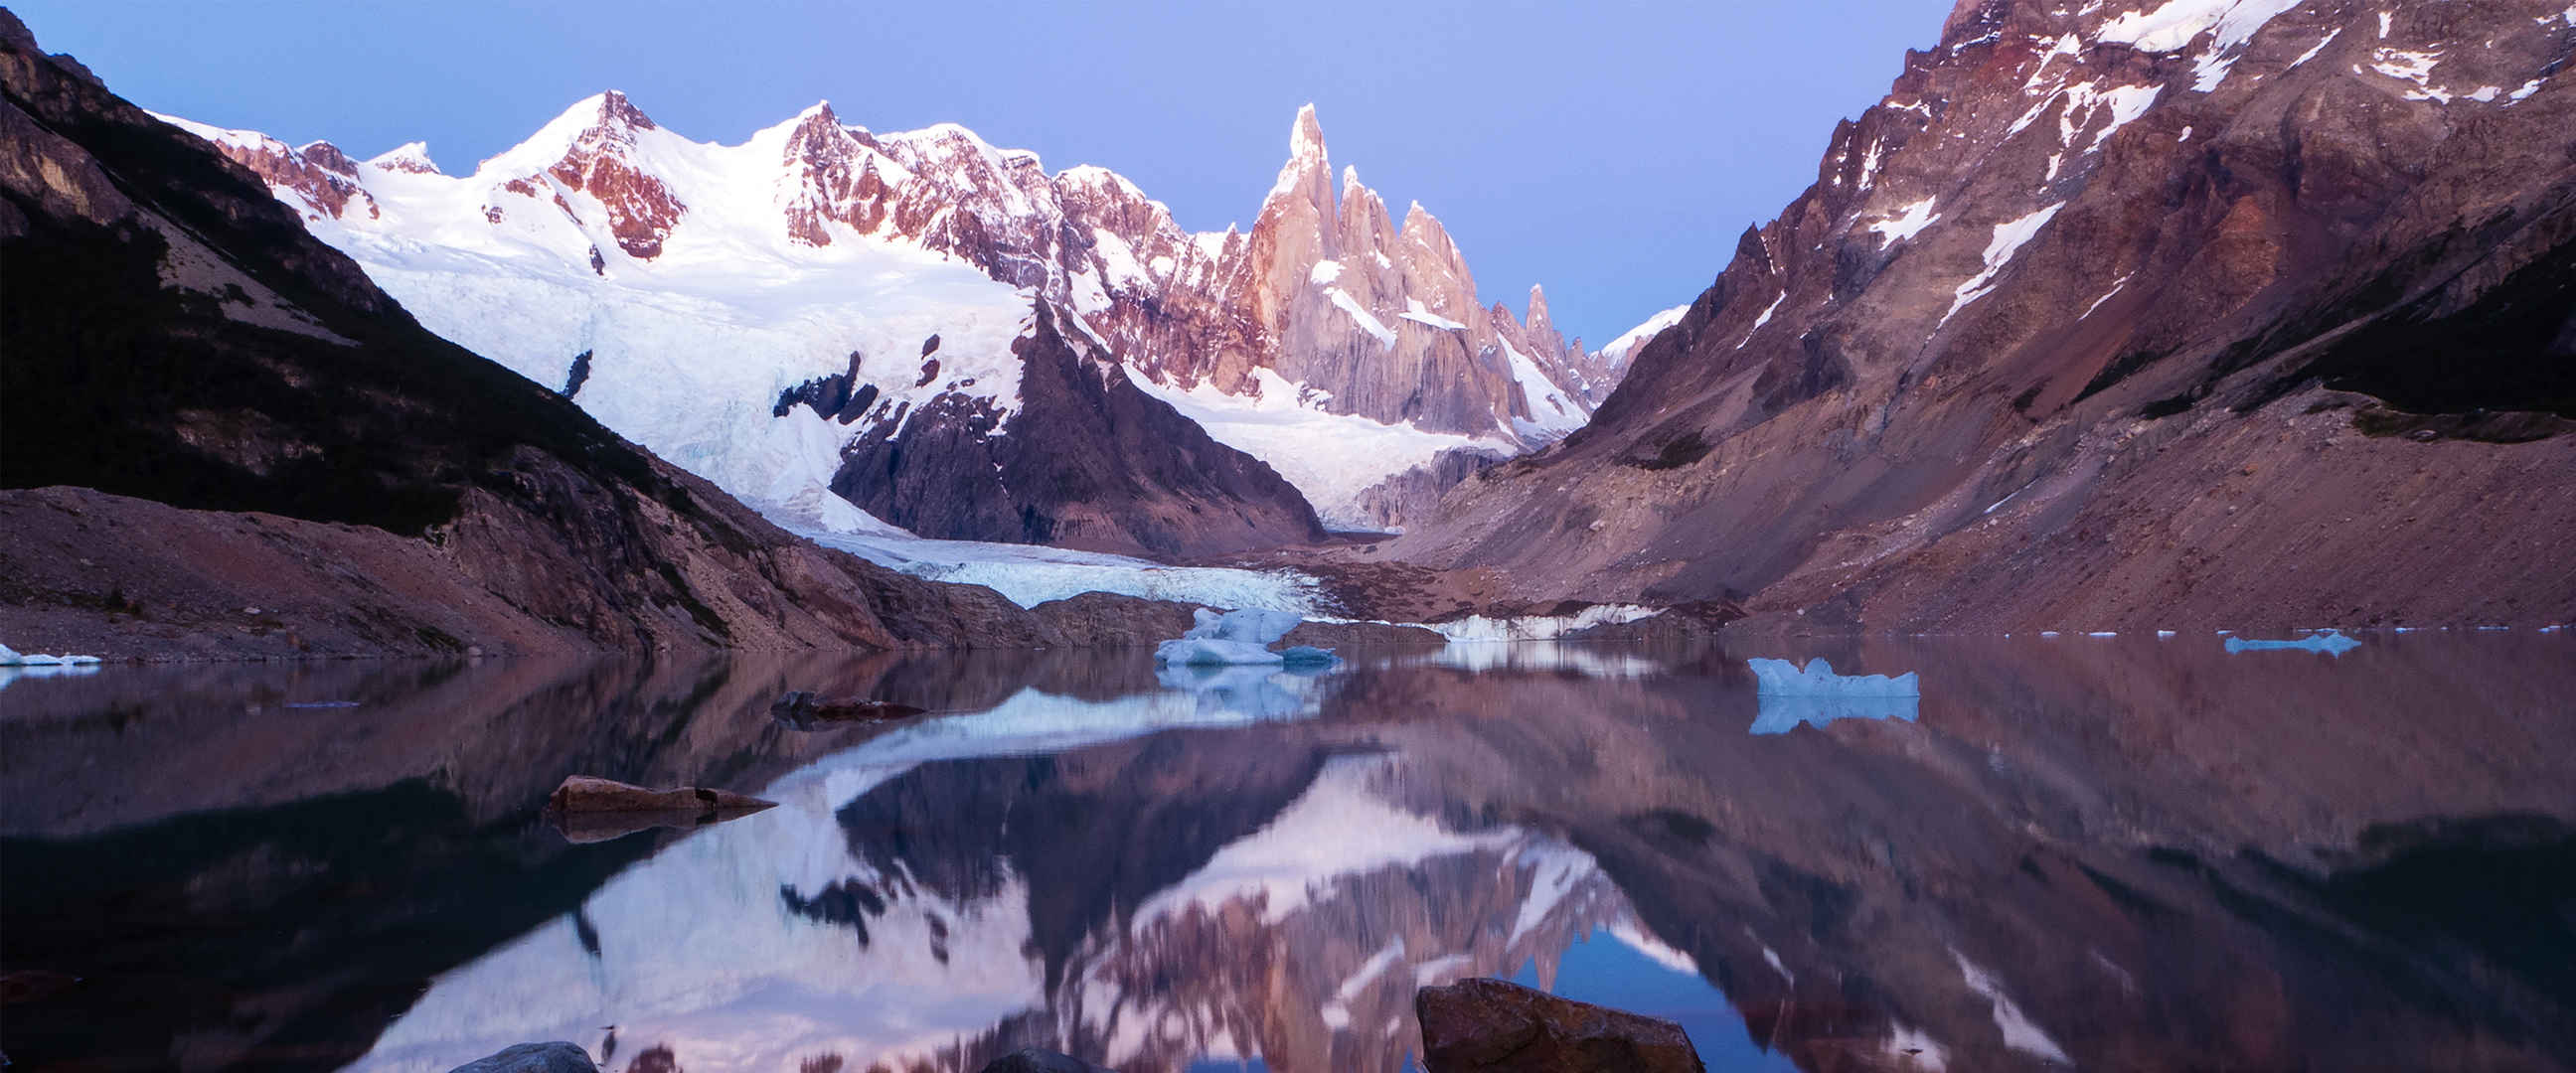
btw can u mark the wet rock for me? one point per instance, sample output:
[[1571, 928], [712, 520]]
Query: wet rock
[[1034, 1060], [556, 1057], [1481, 1025], [807, 711], [588, 793]]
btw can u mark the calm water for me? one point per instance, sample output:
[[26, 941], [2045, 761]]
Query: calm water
[[2122, 853]]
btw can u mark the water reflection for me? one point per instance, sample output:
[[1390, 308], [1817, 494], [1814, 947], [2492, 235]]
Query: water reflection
[[2125, 853]]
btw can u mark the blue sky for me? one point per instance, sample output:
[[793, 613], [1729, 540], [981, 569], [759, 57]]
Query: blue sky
[[1612, 152]]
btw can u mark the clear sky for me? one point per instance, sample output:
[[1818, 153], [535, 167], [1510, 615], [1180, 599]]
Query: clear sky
[[1610, 151]]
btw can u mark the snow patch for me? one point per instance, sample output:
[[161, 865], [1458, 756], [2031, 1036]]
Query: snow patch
[[2010, 236], [1360, 315], [1908, 222]]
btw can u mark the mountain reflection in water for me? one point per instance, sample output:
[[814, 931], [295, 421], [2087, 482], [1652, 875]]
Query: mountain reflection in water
[[2119, 853]]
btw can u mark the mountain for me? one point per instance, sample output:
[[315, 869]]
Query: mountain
[[823, 306], [2177, 312], [221, 438]]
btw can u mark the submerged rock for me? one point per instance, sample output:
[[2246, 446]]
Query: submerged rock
[[586, 793], [1474, 1026], [556, 1057], [1034, 1060], [589, 809], [806, 711]]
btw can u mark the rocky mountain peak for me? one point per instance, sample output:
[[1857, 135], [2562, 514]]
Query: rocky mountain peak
[[411, 157]]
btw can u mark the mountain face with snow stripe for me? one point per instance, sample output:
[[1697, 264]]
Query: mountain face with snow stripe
[[2086, 282], [709, 285]]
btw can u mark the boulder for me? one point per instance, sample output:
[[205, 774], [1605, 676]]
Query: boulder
[[1475, 1026], [556, 1057], [808, 711], [588, 794], [1033, 1060]]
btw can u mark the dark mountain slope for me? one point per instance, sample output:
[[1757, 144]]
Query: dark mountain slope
[[2203, 312], [173, 334]]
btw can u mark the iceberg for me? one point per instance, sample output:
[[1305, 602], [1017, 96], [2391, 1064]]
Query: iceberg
[[1781, 678], [1816, 695], [2330, 642], [1239, 638]]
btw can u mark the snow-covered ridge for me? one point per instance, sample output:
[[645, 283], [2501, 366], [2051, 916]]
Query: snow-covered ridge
[[697, 282]]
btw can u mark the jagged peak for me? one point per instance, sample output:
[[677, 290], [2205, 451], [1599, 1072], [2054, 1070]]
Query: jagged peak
[[607, 110], [1306, 139], [1351, 181], [412, 157]]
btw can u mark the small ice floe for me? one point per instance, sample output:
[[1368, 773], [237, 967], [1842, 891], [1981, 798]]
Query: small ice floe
[[2329, 641], [2551, 628], [10, 657], [1239, 638], [2048, 633], [2164, 635], [1816, 695], [2103, 633], [2493, 629]]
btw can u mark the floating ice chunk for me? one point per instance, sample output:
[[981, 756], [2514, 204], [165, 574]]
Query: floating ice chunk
[[2048, 633], [2330, 642], [10, 657], [2103, 633], [1817, 696], [1780, 677], [2164, 634], [1238, 638]]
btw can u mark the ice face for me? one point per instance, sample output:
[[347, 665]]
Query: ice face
[[1251, 625], [1238, 638], [2330, 642]]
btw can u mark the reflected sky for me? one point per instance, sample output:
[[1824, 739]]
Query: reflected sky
[[2128, 852]]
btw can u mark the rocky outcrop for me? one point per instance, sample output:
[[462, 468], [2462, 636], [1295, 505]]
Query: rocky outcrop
[[1086, 461], [245, 417], [1490, 1026], [2116, 318]]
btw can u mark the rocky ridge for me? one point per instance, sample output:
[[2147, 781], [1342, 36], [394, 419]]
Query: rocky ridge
[[1324, 313], [2204, 311]]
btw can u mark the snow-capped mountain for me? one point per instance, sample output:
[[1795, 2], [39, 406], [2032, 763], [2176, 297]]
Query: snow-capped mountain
[[827, 307], [2115, 309]]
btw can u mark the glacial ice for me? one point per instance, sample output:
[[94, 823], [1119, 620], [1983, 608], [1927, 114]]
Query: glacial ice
[[1780, 677], [10, 657], [1817, 696], [2330, 642], [1239, 638]]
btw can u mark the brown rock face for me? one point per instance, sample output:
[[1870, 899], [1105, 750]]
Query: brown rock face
[[641, 211], [1087, 461], [2097, 321], [1489, 1026]]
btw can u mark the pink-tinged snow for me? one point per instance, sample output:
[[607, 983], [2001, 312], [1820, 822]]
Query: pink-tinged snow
[[1909, 221], [689, 351], [2008, 240], [1360, 315], [1329, 457], [1618, 349], [2019, 1032], [1553, 415], [1416, 312], [2172, 25]]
